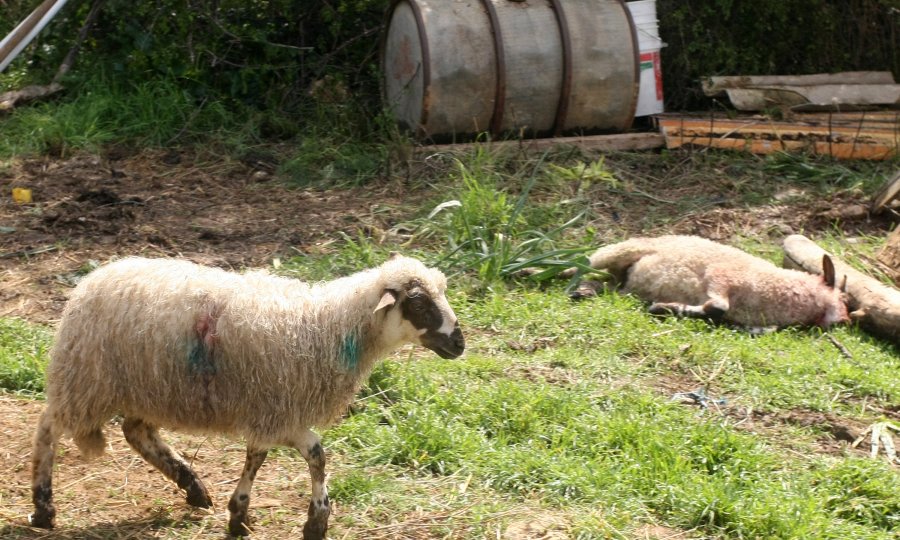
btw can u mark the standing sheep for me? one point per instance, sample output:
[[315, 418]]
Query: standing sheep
[[695, 277], [168, 343]]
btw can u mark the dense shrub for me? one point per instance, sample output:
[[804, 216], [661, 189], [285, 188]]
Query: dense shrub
[[275, 53], [259, 52]]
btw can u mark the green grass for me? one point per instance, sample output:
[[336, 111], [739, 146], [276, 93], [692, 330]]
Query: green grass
[[23, 355], [585, 421], [592, 441]]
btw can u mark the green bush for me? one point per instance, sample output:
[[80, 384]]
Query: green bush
[[289, 54], [24, 352], [263, 53]]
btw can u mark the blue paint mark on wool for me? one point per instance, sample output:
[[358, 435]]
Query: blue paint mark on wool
[[200, 358], [350, 351]]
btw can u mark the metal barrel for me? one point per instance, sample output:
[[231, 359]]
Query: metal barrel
[[453, 69]]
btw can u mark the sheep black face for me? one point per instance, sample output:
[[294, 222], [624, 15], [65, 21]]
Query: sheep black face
[[434, 324]]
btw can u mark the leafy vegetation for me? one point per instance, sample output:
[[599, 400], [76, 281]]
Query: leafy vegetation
[[23, 355]]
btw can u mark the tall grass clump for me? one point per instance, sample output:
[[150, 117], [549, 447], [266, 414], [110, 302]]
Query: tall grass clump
[[24, 352], [495, 228], [101, 111]]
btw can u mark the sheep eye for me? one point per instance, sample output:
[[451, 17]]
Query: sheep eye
[[417, 304]]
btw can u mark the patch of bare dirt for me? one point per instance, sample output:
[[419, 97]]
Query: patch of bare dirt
[[91, 208], [119, 495]]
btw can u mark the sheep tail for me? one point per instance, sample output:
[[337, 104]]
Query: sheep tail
[[91, 444], [617, 258]]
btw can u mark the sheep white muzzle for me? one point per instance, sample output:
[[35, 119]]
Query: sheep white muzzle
[[437, 325]]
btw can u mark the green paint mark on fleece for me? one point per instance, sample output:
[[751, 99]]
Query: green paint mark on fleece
[[200, 358], [350, 351]]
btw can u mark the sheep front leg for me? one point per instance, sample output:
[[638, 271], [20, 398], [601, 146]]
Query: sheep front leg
[[310, 447], [712, 310], [238, 524]]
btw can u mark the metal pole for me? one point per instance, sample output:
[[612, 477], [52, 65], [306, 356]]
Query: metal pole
[[22, 35]]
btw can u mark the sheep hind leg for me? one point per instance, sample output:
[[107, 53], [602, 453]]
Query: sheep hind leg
[[238, 524], [45, 441], [145, 440], [310, 447]]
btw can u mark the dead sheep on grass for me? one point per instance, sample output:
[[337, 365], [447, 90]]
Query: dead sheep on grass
[[695, 277], [171, 344]]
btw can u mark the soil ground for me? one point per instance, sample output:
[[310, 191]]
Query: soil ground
[[89, 209]]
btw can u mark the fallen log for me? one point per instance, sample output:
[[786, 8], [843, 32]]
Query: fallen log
[[8, 100], [875, 306]]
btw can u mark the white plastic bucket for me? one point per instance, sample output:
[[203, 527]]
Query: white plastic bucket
[[650, 95]]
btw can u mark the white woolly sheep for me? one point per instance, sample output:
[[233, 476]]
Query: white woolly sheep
[[168, 343], [696, 277]]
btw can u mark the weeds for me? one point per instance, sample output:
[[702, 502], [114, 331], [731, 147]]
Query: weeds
[[490, 229], [585, 419], [23, 355]]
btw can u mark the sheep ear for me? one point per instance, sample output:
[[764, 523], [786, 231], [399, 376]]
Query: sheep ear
[[389, 298], [828, 271]]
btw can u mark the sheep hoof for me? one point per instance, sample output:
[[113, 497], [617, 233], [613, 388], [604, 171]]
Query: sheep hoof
[[662, 309], [42, 520], [315, 529], [237, 526], [198, 497], [586, 289]]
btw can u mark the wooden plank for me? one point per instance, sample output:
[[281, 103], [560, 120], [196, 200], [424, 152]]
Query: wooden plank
[[603, 143], [890, 119], [757, 98], [764, 126], [763, 136], [866, 151], [713, 86]]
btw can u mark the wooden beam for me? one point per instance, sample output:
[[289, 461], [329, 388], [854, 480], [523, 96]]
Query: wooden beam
[[759, 98], [602, 143], [713, 86], [871, 141], [755, 146]]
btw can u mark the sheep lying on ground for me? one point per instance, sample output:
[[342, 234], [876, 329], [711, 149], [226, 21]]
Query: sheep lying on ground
[[168, 343], [695, 277]]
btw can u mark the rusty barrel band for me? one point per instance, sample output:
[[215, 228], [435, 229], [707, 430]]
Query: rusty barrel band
[[637, 63], [562, 108], [500, 60]]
